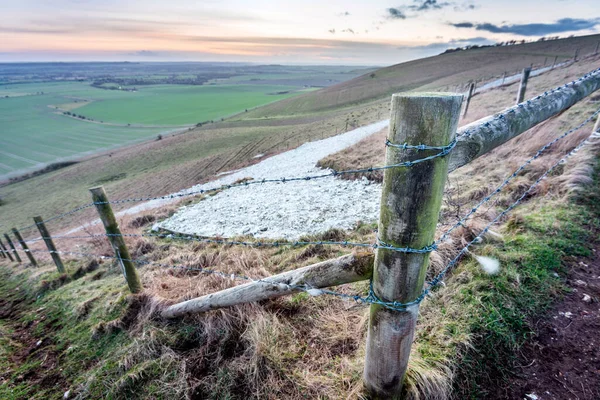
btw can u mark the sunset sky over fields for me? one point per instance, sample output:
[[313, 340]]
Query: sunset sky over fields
[[375, 32]]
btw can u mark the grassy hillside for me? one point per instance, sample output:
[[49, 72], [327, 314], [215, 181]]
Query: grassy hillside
[[161, 167], [81, 332], [442, 71]]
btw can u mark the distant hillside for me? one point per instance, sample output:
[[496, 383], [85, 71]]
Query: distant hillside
[[448, 69]]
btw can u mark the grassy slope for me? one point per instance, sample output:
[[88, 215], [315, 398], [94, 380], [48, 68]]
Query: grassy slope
[[158, 168], [97, 342], [300, 347], [443, 71]]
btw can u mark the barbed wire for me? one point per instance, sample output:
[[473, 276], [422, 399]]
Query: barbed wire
[[444, 150], [487, 198], [230, 276], [371, 298], [438, 278]]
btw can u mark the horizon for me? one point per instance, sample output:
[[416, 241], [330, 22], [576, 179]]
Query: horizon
[[380, 32]]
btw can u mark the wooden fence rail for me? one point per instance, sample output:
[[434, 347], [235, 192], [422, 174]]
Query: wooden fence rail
[[410, 206]]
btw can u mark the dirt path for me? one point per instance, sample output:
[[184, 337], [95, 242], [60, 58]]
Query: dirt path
[[563, 361]]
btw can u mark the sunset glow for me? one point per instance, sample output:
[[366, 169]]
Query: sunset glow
[[375, 32]]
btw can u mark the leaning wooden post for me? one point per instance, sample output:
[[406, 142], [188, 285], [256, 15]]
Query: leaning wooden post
[[12, 246], [554, 63], [116, 239], [597, 125], [469, 95], [503, 77], [24, 247], [410, 206], [523, 85], [5, 250], [39, 222]]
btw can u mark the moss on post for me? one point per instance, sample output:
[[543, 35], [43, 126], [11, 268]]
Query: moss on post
[[39, 222], [116, 239], [12, 246], [410, 206]]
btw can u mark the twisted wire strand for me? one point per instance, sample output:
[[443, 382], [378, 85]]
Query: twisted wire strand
[[487, 198], [444, 150]]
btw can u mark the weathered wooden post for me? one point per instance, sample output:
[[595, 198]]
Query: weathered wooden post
[[39, 222], [24, 247], [523, 85], [597, 125], [503, 77], [12, 246], [576, 55], [410, 206], [116, 239], [554, 63], [5, 250], [597, 47], [469, 95], [545, 61]]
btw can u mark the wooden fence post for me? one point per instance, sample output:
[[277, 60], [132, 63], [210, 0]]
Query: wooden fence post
[[410, 205], [523, 85], [576, 55], [469, 95], [12, 246], [597, 125], [503, 77], [554, 63], [24, 247], [597, 47], [116, 239], [5, 250], [49, 243]]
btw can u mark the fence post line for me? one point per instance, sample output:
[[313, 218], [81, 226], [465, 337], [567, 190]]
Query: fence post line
[[410, 205], [5, 249], [469, 95], [39, 222], [116, 239], [12, 246], [24, 246], [523, 85]]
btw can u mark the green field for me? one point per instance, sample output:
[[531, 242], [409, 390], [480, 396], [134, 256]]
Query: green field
[[36, 132], [181, 104]]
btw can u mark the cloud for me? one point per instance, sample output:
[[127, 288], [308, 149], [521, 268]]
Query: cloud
[[395, 13], [428, 5], [535, 29]]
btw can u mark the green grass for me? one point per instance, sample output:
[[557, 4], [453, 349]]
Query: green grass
[[34, 132], [180, 104]]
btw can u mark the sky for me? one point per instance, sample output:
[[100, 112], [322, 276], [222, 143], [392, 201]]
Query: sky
[[358, 32]]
